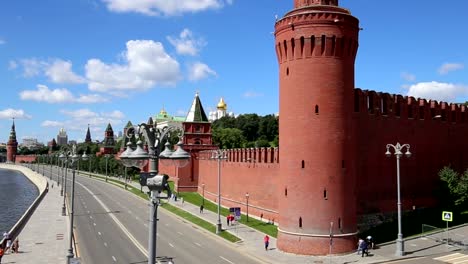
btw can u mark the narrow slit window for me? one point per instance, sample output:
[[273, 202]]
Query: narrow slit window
[[325, 194], [287, 71], [285, 191], [316, 109], [339, 223], [303, 164], [342, 164], [300, 222]]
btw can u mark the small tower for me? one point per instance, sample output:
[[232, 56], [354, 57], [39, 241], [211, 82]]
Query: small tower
[[88, 136], [109, 141], [62, 137], [12, 145], [197, 128], [316, 45]]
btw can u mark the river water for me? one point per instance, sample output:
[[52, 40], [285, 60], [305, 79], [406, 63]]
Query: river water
[[17, 193]]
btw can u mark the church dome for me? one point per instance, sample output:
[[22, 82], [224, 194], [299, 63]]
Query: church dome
[[222, 105]]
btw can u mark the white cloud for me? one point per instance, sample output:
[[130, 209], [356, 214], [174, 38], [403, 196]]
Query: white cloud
[[2, 41], [43, 94], [446, 92], [56, 96], [49, 123], [251, 94], [147, 65], [198, 71], [60, 71], [79, 119], [408, 77], [14, 113], [57, 70], [187, 44], [448, 67], [32, 67], [164, 7]]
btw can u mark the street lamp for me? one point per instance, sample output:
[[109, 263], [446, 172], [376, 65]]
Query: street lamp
[[72, 157], [219, 155], [247, 198], [156, 183], [64, 183], [400, 247], [203, 194], [107, 160]]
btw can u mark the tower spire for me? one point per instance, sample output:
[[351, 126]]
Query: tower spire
[[88, 136], [305, 3]]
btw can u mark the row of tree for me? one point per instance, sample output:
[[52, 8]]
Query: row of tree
[[246, 131]]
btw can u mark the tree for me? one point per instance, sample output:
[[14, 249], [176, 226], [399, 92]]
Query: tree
[[228, 138], [456, 184]]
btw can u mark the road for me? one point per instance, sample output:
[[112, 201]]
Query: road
[[111, 226]]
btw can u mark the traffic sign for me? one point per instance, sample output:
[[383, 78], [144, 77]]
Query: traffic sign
[[447, 216]]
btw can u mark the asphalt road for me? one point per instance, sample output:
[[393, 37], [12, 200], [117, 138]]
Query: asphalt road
[[111, 226]]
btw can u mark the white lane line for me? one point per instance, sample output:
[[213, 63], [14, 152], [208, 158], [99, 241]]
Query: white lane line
[[180, 233], [115, 260], [89, 211], [137, 218], [198, 244], [99, 233], [130, 212], [94, 224], [146, 225], [122, 227], [171, 245], [105, 244], [227, 260]]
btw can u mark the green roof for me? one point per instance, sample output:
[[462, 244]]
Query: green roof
[[196, 112]]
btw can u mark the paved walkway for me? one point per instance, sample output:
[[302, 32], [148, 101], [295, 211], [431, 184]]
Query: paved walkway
[[44, 239]]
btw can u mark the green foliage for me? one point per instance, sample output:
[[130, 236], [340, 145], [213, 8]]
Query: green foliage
[[457, 185], [257, 131], [228, 138]]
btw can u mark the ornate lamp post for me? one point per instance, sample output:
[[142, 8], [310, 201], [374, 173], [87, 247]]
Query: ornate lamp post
[[156, 183], [400, 247], [247, 198], [107, 156], [72, 157], [219, 155]]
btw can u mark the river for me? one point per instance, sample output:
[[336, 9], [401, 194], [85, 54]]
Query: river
[[17, 193]]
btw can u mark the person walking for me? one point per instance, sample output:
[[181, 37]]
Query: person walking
[[15, 247], [228, 218], [266, 240], [201, 209]]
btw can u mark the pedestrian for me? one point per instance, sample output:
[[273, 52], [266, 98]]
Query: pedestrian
[[6, 236], [52, 185], [201, 209], [266, 240], [182, 200], [261, 217], [364, 249], [359, 248], [8, 246], [2, 252], [228, 218], [15, 246], [370, 242]]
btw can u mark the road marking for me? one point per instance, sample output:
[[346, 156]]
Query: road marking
[[89, 212], [94, 224], [122, 227], [105, 244], [115, 260], [198, 244], [99, 233], [405, 260], [171, 245], [227, 260], [146, 225], [130, 212], [90, 217], [180, 233], [137, 218], [449, 257]]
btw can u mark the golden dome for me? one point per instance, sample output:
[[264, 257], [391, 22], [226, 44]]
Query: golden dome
[[222, 105], [163, 112]]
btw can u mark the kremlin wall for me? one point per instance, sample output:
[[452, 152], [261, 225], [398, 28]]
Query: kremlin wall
[[330, 171]]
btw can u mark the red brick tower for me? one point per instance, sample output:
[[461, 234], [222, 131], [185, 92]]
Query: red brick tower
[[316, 46], [12, 145]]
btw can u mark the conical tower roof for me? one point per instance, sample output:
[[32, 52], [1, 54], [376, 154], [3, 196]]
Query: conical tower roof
[[196, 112], [88, 136], [13, 132]]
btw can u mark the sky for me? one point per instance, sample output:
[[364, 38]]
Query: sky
[[70, 64]]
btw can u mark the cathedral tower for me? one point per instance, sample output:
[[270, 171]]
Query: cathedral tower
[[316, 46], [12, 145]]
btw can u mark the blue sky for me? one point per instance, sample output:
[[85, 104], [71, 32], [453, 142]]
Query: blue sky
[[73, 63]]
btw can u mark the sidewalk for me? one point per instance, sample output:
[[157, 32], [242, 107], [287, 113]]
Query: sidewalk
[[252, 244], [44, 239]]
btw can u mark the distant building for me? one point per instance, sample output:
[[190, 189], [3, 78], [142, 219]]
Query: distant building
[[221, 111], [31, 143], [72, 142], [62, 137], [12, 145], [163, 119], [88, 136], [108, 144]]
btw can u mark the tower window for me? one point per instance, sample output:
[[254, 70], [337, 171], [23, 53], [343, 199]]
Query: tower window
[[300, 222], [287, 71], [285, 191], [325, 194], [303, 164], [316, 109], [339, 223]]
